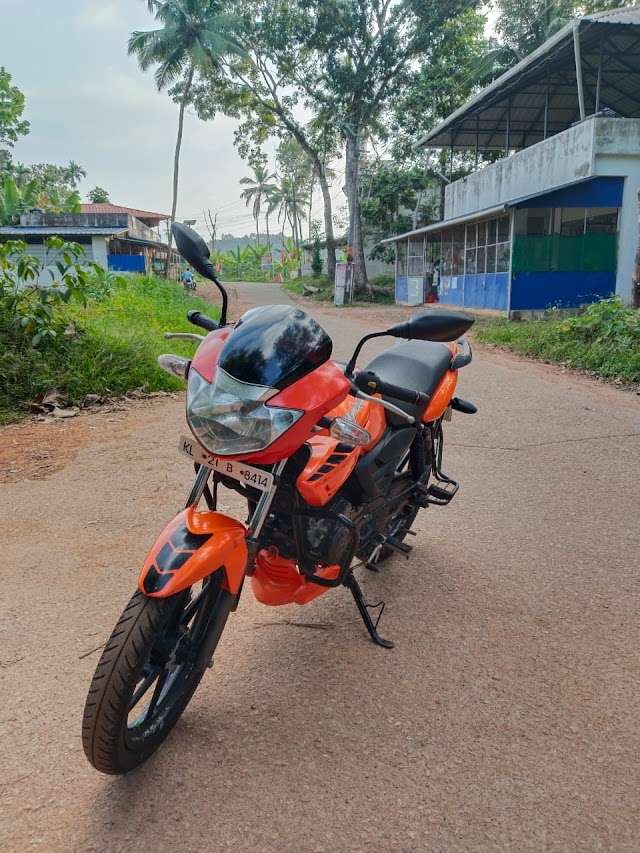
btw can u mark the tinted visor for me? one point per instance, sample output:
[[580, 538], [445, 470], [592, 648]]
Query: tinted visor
[[274, 346]]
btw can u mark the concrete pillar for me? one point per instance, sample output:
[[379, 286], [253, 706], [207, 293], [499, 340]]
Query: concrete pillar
[[99, 250]]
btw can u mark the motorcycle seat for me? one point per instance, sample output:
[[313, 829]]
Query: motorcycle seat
[[418, 365]]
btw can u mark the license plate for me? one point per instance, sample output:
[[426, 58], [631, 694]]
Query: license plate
[[254, 477]]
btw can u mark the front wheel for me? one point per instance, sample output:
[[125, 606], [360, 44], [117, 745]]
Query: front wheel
[[148, 672]]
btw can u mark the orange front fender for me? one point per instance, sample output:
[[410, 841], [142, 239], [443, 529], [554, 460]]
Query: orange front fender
[[192, 546]]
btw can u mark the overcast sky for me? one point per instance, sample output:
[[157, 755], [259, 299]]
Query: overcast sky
[[88, 101]]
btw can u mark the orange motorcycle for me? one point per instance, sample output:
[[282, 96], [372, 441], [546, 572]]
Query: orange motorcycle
[[334, 464]]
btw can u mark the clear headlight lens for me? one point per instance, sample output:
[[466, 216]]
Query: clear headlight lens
[[230, 418]]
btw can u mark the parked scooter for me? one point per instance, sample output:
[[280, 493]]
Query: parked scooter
[[334, 464]]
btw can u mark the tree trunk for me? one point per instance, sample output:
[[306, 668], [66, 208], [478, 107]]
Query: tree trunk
[[176, 163], [359, 272], [296, 237], [328, 225]]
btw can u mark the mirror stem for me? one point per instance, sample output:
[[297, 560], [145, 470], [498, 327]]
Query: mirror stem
[[352, 363], [223, 315]]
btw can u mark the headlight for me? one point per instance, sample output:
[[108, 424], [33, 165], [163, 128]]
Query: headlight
[[229, 418]]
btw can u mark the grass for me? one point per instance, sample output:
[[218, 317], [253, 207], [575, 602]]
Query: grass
[[604, 339], [119, 337], [325, 294]]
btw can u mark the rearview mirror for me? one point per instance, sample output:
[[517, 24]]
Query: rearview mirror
[[193, 249], [433, 325]]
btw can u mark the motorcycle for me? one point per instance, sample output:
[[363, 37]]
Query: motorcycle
[[334, 464]]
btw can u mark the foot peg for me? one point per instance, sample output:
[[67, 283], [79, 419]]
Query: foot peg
[[439, 492]]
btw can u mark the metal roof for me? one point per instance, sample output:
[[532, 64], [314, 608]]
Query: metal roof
[[451, 223], [116, 208], [59, 231], [609, 42]]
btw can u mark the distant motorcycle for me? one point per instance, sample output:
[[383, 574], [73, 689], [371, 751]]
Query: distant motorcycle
[[334, 464], [188, 280]]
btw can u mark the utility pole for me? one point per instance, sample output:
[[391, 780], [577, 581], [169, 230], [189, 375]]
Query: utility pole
[[352, 196]]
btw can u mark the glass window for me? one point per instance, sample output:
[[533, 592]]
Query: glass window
[[492, 228], [521, 221], [482, 233], [573, 221], [415, 257], [602, 220], [457, 252], [503, 229], [502, 259], [470, 268], [472, 235], [482, 253], [447, 251], [401, 259], [538, 221], [491, 259]]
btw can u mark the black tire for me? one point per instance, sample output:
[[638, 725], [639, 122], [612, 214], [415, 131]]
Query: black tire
[[419, 467], [149, 658]]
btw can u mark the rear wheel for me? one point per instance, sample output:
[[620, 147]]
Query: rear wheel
[[147, 673], [418, 466]]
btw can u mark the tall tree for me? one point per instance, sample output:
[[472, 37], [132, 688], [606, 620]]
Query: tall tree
[[74, 173], [258, 190], [12, 125], [193, 37], [98, 196]]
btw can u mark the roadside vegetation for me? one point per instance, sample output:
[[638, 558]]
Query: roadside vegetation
[[320, 289], [603, 339], [88, 332]]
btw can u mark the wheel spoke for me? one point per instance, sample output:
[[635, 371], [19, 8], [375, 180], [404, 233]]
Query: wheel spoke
[[146, 684], [156, 695]]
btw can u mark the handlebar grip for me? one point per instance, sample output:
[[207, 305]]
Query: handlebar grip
[[370, 383], [202, 320]]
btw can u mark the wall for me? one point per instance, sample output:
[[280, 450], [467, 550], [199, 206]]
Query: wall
[[617, 150], [557, 161], [99, 250]]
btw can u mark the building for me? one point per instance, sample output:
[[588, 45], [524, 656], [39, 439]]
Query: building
[[118, 238], [555, 221]]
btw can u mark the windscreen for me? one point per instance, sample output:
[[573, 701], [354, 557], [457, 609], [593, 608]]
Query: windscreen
[[274, 346]]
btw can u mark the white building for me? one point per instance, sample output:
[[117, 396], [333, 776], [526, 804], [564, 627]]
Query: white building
[[555, 222]]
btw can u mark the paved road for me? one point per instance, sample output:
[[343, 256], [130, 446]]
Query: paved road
[[506, 718]]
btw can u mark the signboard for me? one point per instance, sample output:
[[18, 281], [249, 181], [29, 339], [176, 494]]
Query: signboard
[[267, 262]]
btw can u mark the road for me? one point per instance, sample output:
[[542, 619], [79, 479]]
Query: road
[[505, 719]]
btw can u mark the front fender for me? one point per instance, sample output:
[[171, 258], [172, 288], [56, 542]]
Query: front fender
[[192, 546]]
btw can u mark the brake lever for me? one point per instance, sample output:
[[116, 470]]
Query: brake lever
[[187, 336]]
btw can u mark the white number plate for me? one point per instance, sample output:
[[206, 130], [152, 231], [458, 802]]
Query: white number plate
[[247, 474]]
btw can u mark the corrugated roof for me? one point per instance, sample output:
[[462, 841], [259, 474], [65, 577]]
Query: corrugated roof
[[61, 231], [608, 40], [115, 208], [450, 223]]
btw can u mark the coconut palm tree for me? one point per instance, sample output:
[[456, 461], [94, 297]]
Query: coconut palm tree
[[289, 200], [258, 190], [193, 36], [74, 174]]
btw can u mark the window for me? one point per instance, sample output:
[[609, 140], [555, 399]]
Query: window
[[401, 260], [491, 259], [415, 257], [601, 220], [572, 223]]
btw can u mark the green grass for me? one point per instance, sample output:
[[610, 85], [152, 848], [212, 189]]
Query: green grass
[[120, 336], [604, 339]]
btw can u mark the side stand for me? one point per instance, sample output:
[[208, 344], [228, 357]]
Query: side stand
[[363, 609]]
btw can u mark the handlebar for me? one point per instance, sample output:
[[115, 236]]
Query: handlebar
[[202, 320], [368, 381]]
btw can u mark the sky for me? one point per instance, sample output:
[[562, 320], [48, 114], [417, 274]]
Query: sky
[[88, 101]]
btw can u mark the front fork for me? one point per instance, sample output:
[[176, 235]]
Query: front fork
[[260, 513]]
